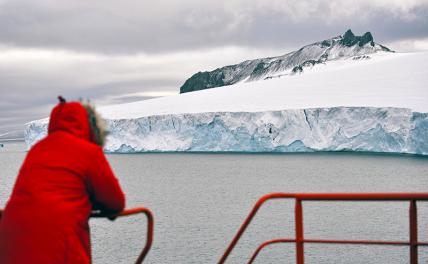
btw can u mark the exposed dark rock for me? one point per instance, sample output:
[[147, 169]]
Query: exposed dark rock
[[203, 80], [293, 62], [349, 39]]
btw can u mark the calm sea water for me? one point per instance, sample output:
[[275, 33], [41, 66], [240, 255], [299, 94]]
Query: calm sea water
[[200, 200]]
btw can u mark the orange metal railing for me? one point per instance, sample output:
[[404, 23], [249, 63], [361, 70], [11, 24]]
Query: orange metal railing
[[299, 240], [150, 227], [130, 212]]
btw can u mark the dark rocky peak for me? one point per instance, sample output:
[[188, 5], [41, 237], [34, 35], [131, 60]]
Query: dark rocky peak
[[349, 39], [367, 37], [349, 35]]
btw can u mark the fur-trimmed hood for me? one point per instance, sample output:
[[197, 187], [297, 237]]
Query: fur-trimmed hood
[[96, 123], [80, 119]]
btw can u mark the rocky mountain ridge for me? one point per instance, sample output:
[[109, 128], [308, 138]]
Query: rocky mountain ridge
[[347, 45]]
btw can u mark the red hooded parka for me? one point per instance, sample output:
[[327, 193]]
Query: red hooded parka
[[62, 179]]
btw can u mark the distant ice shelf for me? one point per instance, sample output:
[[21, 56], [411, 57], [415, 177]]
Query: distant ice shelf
[[368, 129], [377, 105]]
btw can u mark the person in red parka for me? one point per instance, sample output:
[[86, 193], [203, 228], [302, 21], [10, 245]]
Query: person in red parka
[[63, 178]]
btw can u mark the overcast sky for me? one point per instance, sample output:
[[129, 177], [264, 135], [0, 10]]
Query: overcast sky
[[120, 51]]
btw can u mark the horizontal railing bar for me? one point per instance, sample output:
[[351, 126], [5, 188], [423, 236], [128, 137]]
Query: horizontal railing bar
[[126, 212], [320, 241], [365, 242], [348, 196], [333, 241]]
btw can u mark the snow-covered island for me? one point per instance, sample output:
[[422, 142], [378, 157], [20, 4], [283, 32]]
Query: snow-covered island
[[344, 93]]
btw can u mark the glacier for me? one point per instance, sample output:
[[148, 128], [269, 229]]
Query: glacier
[[367, 129], [375, 105]]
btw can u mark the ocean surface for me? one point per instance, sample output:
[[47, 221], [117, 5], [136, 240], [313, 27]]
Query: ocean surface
[[200, 200]]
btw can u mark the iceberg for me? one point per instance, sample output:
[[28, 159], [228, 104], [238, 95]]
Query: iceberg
[[368, 129], [376, 105]]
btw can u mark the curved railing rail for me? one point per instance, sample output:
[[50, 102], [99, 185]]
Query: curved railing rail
[[299, 240], [150, 227], [130, 212]]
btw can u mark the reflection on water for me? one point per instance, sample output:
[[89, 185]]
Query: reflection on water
[[199, 201]]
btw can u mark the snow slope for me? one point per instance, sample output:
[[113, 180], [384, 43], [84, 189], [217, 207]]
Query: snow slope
[[386, 80], [376, 104], [341, 47]]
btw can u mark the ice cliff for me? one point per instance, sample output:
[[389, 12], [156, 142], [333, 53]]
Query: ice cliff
[[393, 130], [379, 105]]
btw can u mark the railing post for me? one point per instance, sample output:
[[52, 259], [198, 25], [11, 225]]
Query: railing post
[[300, 253], [149, 240], [413, 219]]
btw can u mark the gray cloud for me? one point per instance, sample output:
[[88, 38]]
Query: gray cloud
[[163, 26]]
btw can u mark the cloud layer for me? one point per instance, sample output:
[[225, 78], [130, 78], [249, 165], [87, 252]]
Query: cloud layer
[[163, 26]]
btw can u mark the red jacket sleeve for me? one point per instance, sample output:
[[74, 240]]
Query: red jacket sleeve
[[105, 191]]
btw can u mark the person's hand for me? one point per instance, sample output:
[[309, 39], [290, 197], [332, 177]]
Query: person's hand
[[112, 217]]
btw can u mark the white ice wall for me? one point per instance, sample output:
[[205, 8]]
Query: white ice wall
[[369, 105], [392, 130]]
